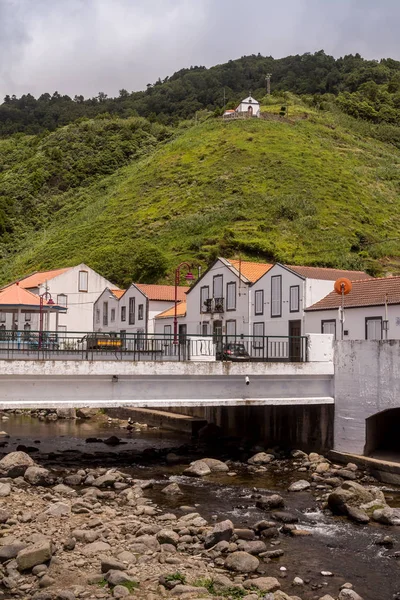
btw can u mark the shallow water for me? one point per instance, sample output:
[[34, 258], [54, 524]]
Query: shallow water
[[343, 548]]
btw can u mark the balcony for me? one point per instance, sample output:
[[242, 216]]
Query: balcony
[[214, 305]]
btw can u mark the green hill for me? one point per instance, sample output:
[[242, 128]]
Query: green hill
[[317, 188]]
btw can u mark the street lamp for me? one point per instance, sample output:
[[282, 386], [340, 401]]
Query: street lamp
[[49, 300], [189, 277]]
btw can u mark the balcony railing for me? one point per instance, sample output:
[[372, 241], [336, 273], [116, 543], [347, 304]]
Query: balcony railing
[[214, 305], [53, 345]]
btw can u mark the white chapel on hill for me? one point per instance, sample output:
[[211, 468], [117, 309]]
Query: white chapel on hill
[[248, 107]]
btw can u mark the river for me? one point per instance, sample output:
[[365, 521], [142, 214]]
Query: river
[[347, 550]]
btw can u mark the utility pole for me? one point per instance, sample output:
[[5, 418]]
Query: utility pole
[[268, 80]]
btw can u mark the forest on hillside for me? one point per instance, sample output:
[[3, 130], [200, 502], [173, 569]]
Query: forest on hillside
[[366, 89]]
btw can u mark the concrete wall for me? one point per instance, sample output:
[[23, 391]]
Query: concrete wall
[[367, 382]]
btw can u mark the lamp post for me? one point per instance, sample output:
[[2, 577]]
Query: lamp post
[[188, 277], [46, 296]]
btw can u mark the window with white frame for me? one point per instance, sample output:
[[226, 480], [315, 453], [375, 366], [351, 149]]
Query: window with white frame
[[112, 316], [83, 281], [204, 296], [62, 299], [329, 326], [97, 315], [218, 286], [131, 311], [105, 313], [276, 296], [28, 316], [231, 295], [140, 312], [258, 335], [373, 328], [204, 328], [123, 313], [2, 317], [259, 302], [294, 298], [230, 330]]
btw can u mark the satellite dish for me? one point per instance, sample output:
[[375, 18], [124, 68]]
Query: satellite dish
[[343, 286]]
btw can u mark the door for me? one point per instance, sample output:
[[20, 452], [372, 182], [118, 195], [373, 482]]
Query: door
[[217, 337], [250, 111], [182, 333], [294, 341]]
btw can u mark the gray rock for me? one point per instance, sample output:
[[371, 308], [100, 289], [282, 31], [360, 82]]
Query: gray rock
[[299, 486], [222, 531], [198, 468], [261, 458], [255, 547], [357, 515], [117, 577], [167, 536], [349, 595], [74, 479], [58, 509], [69, 544], [10, 551], [216, 466], [4, 515], [387, 516], [38, 476], [121, 592], [270, 502], [111, 564], [66, 413], [96, 548], [64, 490], [46, 581], [87, 413], [106, 480], [5, 490], [39, 569], [65, 595], [15, 464], [34, 555], [242, 562], [179, 590], [244, 534], [172, 489], [352, 493], [285, 517], [264, 584]]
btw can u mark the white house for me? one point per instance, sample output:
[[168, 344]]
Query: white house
[[164, 322], [280, 297], [134, 310], [74, 288], [371, 311], [218, 303], [249, 107]]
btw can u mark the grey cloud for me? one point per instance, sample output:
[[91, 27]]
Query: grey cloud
[[87, 46]]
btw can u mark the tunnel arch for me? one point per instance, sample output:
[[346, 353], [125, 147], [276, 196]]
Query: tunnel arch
[[382, 432]]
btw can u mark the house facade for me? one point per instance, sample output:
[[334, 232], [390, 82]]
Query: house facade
[[74, 288], [371, 311], [249, 107], [218, 304], [133, 310]]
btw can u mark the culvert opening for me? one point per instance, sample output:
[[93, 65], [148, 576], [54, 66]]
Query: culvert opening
[[383, 434]]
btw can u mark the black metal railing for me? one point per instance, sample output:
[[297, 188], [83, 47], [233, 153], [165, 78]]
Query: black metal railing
[[214, 305], [51, 345]]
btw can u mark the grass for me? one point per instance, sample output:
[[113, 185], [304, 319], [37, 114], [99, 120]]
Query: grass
[[176, 577], [317, 190], [232, 593]]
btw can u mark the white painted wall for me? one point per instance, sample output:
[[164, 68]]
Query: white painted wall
[[195, 317], [244, 107], [79, 316], [316, 289], [355, 321]]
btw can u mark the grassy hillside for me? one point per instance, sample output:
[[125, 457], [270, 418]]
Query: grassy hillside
[[313, 189]]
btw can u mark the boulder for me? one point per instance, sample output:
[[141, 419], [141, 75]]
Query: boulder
[[222, 531], [4, 515], [10, 551], [96, 548], [285, 517], [261, 458], [270, 502], [38, 476], [322, 467], [172, 489], [264, 584], [167, 536], [198, 468], [387, 516], [253, 547], [351, 493], [357, 515], [64, 490], [216, 466], [5, 490], [111, 564], [15, 464], [299, 486], [242, 562], [349, 595], [66, 413], [87, 413], [116, 577], [106, 480], [58, 509], [34, 555]]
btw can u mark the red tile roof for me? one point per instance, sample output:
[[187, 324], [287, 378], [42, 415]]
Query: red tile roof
[[15, 295], [170, 312], [367, 292], [36, 279], [327, 274], [251, 270], [163, 293], [118, 293]]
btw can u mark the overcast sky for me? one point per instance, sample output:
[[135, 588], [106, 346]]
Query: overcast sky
[[87, 46]]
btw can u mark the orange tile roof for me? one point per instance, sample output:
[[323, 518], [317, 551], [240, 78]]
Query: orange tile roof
[[164, 293], [170, 312], [251, 270], [15, 295], [327, 274], [36, 279], [118, 293], [367, 292]]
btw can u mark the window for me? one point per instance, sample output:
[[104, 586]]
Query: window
[[276, 296], [294, 299], [204, 328], [97, 315], [2, 317], [27, 329], [105, 313], [2, 332], [62, 299], [259, 302], [258, 333], [329, 326], [218, 286], [140, 312], [167, 330], [28, 316], [83, 281], [231, 296], [123, 313], [204, 296], [373, 328], [112, 315], [230, 331], [131, 311]]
